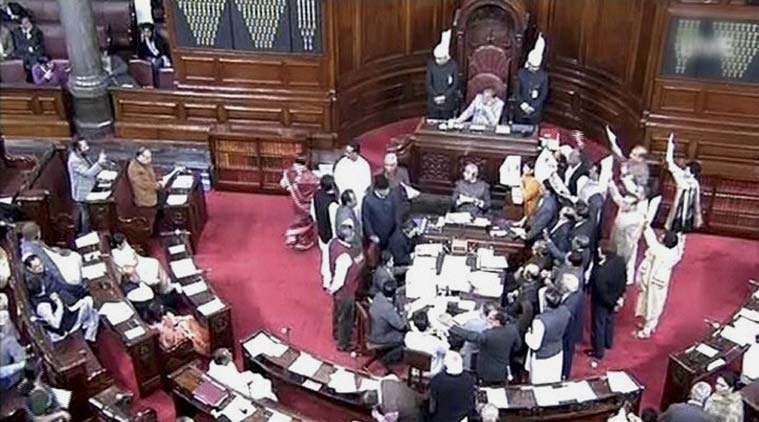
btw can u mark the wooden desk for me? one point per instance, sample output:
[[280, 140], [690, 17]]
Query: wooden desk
[[190, 216], [437, 158], [218, 323], [478, 237], [115, 405], [185, 380], [15, 172], [689, 366], [750, 395]]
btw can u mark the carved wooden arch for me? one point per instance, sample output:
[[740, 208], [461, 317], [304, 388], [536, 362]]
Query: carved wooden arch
[[516, 19]]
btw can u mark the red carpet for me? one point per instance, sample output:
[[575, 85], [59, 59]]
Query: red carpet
[[269, 286]]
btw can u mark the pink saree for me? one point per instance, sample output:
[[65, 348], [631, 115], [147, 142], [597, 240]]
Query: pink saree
[[301, 234]]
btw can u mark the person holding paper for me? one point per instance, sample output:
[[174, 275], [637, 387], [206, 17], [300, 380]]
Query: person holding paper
[[82, 178], [452, 392], [485, 109], [58, 318], [345, 264], [654, 274], [632, 210], [685, 213], [693, 409], [353, 172], [725, 404], [634, 165], [545, 341], [400, 184], [142, 177], [471, 194]]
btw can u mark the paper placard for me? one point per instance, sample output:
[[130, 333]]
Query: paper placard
[[510, 172], [175, 199], [411, 193], [89, 239], [210, 307], [182, 182], [607, 170], [653, 208], [133, 333], [109, 175]]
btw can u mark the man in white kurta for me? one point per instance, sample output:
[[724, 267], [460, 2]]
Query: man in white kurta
[[352, 171], [655, 272]]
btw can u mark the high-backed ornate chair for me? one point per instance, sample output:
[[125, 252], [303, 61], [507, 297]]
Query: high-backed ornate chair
[[490, 59], [485, 80]]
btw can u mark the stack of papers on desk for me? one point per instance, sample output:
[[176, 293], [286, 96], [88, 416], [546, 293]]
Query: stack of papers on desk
[[116, 312], [545, 396], [211, 306], [108, 175], [749, 314], [93, 272], [620, 382], [497, 397], [494, 263], [176, 199], [88, 239], [237, 410], [458, 218], [195, 288], [480, 222], [742, 332], [421, 282], [305, 365], [182, 182], [135, 332], [263, 344], [343, 382], [369, 384], [183, 268], [428, 249], [583, 392]]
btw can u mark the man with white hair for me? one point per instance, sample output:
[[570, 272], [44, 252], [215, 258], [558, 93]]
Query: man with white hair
[[485, 109], [532, 89], [471, 194], [693, 409], [399, 182], [574, 300], [452, 392], [442, 81]]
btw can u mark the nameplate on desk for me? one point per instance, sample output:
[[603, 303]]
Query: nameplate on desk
[[98, 196], [89, 239]]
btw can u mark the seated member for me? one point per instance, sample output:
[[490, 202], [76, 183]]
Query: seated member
[[12, 353], [145, 184], [420, 338], [496, 344], [442, 81], [345, 264], [222, 368], [46, 73], [29, 42], [379, 213], [41, 403], [383, 273], [485, 109], [153, 48], [388, 325], [693, 409], [471, 194], [70, 293], [58, 318], [149, 270]]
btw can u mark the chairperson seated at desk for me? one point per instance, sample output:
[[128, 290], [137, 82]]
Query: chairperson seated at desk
[[471, 194], [485, 109]]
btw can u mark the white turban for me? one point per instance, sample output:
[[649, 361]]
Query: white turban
[[454, 364], [441, 50], [535, 58]]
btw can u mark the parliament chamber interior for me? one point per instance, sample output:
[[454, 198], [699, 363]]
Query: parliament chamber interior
[[379, 210]]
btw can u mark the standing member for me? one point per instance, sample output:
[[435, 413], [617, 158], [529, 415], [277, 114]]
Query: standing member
[[301, 183], [324, 210], [574, 300], [145, 184], [452, 392], [442, 81], [607, 288], [345, 264], [685, 214], [82, 178], [352, 172], [545, 341], [379, 214]]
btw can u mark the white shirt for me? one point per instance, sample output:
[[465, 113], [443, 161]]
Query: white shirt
[[246, 383], [354, 175], [70, 265], [429, 344], [482, 114], [5, 269]]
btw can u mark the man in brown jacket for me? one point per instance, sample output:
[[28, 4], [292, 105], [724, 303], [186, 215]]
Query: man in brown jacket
[[145, 184]]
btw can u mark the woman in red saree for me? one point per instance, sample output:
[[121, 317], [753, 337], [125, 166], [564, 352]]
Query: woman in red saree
[[301, 183]]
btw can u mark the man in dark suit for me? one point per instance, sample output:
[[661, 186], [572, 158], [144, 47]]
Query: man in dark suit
[[693, 410], [12, 11], [585, 225], [496, 344], [559, 234], [608, 282], [153, 48], [546, 214], [574, 301], [394, 399], [379, 213], [29, 42]]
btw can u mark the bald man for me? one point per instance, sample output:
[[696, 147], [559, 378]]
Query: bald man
[[471, 194]]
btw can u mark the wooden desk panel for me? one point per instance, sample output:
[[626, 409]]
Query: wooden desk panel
[[34, 111], [190, 216]]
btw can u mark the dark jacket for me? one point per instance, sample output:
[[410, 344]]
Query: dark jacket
[[560, 236], [388, 326], [452, 396], [401, 247], [379, 217], [685, 412], [29, 49], [143, 51], [398, 397], [496, 346], [608, 282], [545, 216], [575, 303]]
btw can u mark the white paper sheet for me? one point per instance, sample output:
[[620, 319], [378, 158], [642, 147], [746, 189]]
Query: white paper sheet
[[735, 335], [195, 288], [343, 382], [653, 208], [510, 172], [325, 169], [237, 410], [133, 333], [116, 312], [620, 382], [91, 256], [749, 314], [88, 239], [98, 196], [497, 397], [607, 170], [211, 306], [305, 365], [312, 385], [176, 199], [503, 130], [707, 350], [109, 175], [480, 222], [177, 249], [544, 396], [428, 249], [263, 344], [278, 417], [583, 392], [458, 218], [8, 200], [63, 397], [411, 193], [93, 272], [494, 262], [369, 384], [182, 182], [719, 363], [183, 268]]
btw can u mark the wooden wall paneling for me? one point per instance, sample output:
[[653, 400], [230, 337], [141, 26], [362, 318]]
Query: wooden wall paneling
[[31, 111]]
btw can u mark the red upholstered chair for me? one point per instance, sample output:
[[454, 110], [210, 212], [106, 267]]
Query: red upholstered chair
[[165, 78], [142, 72], [485, 80], [12, 71], [490, 59]]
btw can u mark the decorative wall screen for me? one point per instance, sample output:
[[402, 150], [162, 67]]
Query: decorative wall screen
[[713, 49], [286, 26]]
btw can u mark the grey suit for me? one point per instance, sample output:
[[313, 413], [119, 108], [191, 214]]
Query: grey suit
[[82, 177], [388, 326], [545, 216]]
